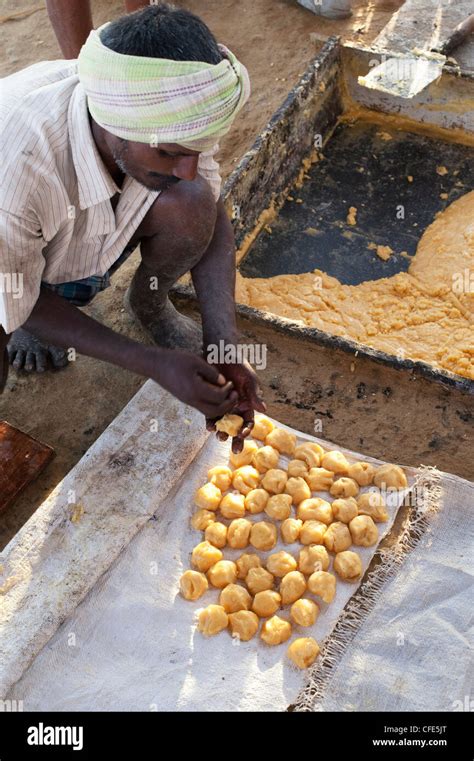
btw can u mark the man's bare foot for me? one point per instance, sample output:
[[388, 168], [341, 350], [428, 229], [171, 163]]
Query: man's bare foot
[[26, 352], [166, 326]]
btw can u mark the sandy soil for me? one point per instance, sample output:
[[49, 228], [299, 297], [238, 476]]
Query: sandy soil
[[70, 409]]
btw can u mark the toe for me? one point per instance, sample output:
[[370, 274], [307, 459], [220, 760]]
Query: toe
[[41, 361], [17, 363], [58, 357], [30, 361]]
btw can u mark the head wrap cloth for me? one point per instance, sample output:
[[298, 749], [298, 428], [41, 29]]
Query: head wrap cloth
[[157, 100]]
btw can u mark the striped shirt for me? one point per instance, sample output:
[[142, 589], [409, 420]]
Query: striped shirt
[[57, 223]]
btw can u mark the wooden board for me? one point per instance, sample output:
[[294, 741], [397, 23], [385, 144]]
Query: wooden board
[[22, 458]]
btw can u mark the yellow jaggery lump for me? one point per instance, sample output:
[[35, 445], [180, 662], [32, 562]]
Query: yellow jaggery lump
[[424, 314], [303, 652], [230, 424], [352, 216], [383, 252]]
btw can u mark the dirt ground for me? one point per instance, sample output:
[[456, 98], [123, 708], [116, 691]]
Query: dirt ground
[[70, 409]]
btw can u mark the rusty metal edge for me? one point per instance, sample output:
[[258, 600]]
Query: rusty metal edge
[[328, 54]]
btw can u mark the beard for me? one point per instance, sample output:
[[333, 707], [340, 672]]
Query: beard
[[150, 180]]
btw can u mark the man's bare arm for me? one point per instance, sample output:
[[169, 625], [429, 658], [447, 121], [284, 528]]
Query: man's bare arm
[[72, 22], [135, 5], [185, 375], [214, 282]]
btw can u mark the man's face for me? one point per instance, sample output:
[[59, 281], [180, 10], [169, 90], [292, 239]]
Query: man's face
[[157, 167]]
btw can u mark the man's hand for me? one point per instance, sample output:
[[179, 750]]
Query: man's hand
[[195, 382], [248, 399], [214, 282], [189, 377]]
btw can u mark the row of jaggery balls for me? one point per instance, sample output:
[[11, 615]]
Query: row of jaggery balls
[[320, 526]]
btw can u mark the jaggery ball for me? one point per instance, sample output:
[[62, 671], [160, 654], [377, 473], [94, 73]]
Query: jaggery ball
[[292, 587], [263, 536], [323, 585], [362, 472], [258, 580], [315, 509], [222, 573], [348, 565], [208, 497], [278, 507], [390, 477], [363, 530], [245, 562], [312, 532], [281, 563], [290, 530], [256, 500], [303, 652], [274, 481], [233, 505], [372, 503], [313, 558], [310, 453], [216, 534], [238, 533], [220, 476], [338, 537], [244, 457], [304, 612], [262, 427], [335, 461], [243, 624], [212, 620], [298, 489], [192, 585], [344, 487], [265, 458], [266, 603], [297, 469], [319, 479], [204, 555], [234, 597], [282, 440], [202, 518], [275, 631], [245, 479], [344, 510], [230, 424]]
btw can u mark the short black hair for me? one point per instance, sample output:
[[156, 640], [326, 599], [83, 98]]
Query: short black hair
[[162, 31]]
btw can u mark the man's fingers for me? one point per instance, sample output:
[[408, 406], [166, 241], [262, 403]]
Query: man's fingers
[[211, 426], [217, 394], [215, 410], [211, 374], [237, 444]]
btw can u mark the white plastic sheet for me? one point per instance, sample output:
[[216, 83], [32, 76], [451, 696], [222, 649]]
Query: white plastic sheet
[[132, 644]]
